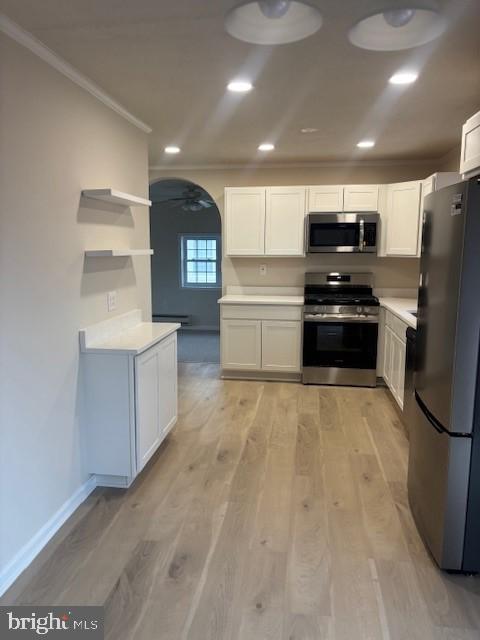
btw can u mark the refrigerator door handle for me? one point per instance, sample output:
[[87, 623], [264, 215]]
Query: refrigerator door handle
[[431, 418]]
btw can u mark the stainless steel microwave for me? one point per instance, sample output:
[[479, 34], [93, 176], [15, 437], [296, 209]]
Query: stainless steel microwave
[[342, 232]]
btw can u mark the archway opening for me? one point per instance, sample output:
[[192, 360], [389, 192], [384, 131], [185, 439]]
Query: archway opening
[[185, 231]]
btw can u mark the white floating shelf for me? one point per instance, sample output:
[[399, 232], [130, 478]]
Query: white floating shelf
[[117, 253], [116, 197]]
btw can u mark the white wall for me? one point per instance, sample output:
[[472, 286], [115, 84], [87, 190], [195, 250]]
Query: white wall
[[55, 140]]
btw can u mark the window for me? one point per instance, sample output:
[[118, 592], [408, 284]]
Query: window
[[200, 261]]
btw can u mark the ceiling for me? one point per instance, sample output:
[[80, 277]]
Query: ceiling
[[168, 62]]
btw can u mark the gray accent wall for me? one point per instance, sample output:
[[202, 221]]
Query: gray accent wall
[[167, 223]]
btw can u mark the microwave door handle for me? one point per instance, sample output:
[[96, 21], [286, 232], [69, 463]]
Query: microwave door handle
[[361, 237]]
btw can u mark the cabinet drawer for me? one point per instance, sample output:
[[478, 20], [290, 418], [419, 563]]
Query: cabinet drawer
[[260, 312], [397, 326]]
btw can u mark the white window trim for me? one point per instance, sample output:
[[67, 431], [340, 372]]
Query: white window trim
[[200, 236]]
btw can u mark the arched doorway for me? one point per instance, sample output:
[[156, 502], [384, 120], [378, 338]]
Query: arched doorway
[[185, 231]]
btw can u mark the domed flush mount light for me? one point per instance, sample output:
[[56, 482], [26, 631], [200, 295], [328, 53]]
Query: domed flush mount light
[[273, 22], [397, 29], [266, 146], [172, 149]]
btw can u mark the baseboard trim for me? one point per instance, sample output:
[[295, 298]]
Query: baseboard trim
[[262, 376], [25, 556]]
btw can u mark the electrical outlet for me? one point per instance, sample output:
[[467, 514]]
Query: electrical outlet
[[263, 269], [111, 300]]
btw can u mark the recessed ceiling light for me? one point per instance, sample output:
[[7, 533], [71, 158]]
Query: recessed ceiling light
[[398, 28], [366, 144], [172, 149], [266, 146], [240, 86], [273, 21], [309, 130], [403, 77]]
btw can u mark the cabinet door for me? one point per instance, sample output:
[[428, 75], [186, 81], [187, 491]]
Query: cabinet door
[[360, 197], [241, 344], [470, 155], [148, 430], [398, 369], [167, 384], [403, 219], [325, 198], [387, 357], [285, 221], [245, 221], [281, 345]]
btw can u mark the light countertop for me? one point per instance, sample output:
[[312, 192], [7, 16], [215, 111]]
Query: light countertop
[[296, 301], [401, 307], [132, 340]]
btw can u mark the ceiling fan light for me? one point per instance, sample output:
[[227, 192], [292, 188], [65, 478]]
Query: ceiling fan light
[[397, 29], [274, 8], [399, 17], [272, 22]]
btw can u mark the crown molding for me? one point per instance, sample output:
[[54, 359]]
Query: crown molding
[[27, 40], [293, 165]]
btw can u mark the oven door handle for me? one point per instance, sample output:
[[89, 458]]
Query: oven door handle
[[341, 318]]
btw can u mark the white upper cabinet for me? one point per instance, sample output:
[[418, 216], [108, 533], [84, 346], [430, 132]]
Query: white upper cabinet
[[402, 218], [360, 197], [245, 221], [285, 221], [265, 221], [470, 155], [325, 198]]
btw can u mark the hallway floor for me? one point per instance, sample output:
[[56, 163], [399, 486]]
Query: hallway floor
[[273, 511], [199, 346]]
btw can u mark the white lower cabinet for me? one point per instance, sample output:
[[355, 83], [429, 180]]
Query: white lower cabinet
[[261, 339], [281, 345], [155, 398], [241, 344], [394, 356], [130, 407]]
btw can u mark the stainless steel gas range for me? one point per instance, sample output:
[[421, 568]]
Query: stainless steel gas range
[[340, 329]]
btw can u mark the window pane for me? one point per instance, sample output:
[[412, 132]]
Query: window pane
[[212, 278], [212, 267], [191, 266], [191, 254], [191, 244], [201, 277], [191, 278]]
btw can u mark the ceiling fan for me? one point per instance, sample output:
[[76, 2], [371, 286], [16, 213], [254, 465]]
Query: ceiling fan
[[191, 199]]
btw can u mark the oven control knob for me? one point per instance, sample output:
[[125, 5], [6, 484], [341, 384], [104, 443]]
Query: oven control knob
[[359, 310]]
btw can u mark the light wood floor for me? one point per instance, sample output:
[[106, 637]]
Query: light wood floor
[[274, 511]]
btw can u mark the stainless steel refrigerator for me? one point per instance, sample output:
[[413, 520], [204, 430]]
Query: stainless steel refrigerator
[[444, 464]]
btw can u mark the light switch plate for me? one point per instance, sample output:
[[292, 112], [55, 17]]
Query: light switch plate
[[263, 269], [111, 300]]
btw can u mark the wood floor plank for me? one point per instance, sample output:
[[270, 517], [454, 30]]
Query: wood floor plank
[[263, 597], [309, 566], [380, 517], [272, 510]]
